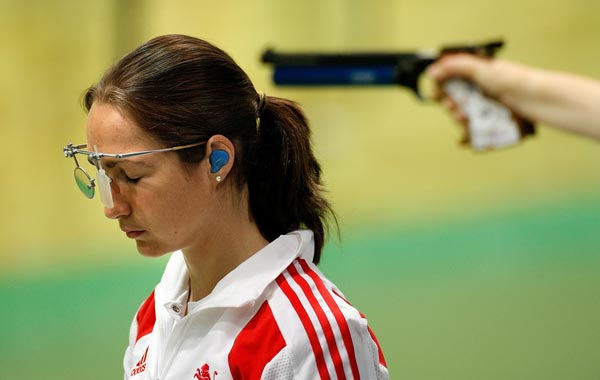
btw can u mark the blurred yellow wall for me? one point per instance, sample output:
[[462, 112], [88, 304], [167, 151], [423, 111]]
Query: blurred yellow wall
[[518, 296], [386, 156]]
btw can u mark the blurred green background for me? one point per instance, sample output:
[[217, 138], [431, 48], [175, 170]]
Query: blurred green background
[[469, 266]]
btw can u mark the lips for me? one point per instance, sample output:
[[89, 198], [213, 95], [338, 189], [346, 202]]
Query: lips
[[132, 233]]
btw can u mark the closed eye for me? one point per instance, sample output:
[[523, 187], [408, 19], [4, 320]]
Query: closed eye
[[132, 180], [129, 179]]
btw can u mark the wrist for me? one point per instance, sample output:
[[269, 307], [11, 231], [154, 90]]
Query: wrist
[[511, 83]]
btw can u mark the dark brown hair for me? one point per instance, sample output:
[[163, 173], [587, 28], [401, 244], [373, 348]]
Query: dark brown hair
[[183, 90]]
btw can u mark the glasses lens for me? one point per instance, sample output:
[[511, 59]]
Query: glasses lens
[[84, 182]]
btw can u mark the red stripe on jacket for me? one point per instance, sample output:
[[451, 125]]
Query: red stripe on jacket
[[307, 324], [146, 317], [323, 321], [381, 357], [256, 345], [337, 313]]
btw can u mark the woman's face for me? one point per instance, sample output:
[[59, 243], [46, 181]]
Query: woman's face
[[158, 203]]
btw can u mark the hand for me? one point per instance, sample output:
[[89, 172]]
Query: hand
[[494, 77]]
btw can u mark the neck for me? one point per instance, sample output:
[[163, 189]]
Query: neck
[[236, 239]]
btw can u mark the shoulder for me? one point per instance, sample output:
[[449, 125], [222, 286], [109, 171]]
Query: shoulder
[[325, 336]]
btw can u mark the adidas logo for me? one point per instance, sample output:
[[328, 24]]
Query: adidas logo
[[141, 365]]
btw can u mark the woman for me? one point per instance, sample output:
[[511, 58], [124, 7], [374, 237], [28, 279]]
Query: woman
[[192, 160]]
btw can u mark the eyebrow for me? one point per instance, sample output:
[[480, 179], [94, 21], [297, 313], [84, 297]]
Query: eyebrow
[[112, 163]]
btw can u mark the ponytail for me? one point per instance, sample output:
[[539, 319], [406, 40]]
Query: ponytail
[[285, 184]]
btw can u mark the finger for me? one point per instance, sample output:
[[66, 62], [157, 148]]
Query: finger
[[466, 136], [454, 65], [449, 103], [460, 117], [453, 108], [465, 139], [436, 93]]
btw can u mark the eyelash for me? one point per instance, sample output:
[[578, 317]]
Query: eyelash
[[129, 179]]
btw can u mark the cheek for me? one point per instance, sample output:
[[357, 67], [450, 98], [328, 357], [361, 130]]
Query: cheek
[[172, 201], [180, 202]]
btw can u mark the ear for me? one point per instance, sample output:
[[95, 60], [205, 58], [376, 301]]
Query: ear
[[220, 153]]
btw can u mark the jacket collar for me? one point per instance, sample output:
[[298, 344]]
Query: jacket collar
[[242, 286]]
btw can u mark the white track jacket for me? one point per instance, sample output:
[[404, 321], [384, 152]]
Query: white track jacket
[[274, 317]]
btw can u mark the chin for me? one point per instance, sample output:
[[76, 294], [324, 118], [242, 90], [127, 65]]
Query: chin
[[149, 250]]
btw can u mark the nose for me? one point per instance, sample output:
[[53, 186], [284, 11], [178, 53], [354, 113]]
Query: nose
[[121, 205]]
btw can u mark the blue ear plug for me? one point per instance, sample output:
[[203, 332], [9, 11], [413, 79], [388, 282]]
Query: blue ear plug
[[218, 159]]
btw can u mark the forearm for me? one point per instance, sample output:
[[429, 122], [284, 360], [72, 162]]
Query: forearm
[[562, 100]]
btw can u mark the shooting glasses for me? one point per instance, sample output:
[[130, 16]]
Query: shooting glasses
[[87, 184]]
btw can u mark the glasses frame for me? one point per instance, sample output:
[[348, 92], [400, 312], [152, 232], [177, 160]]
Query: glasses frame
[[71, 150]]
